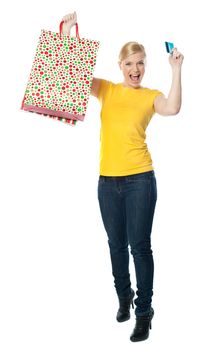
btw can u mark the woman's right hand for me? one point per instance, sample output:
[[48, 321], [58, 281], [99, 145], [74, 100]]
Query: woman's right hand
[[69, 21]]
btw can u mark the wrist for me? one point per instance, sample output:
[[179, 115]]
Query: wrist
[[66, 29], [176, 69], [66, 32]]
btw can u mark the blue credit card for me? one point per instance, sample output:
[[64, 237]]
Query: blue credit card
[[169, 46]]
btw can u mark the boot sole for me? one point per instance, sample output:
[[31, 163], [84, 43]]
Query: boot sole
[[134, 340], [125, 319]]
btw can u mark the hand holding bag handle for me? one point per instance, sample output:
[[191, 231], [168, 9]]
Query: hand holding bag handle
[[77, 29]]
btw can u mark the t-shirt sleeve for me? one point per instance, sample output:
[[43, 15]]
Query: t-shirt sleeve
[[103, 89], [154, 94]]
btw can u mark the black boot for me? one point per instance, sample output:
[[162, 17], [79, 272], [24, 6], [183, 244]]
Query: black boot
[[123, 313], [143, 325]]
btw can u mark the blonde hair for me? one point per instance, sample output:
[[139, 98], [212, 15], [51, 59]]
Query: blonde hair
[[130, 48]]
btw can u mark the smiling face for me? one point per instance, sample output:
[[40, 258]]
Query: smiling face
[[133, 69]]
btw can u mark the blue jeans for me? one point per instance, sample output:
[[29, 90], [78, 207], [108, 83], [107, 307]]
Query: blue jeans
[[127, 205]]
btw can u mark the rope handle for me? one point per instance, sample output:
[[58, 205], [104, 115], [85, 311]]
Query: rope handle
[[77, 29]]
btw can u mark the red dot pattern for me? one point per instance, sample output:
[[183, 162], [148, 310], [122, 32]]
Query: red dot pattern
[[61, 75]]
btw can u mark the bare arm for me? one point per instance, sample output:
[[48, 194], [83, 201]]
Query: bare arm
[[95, 87], [69, 21], [172, 104]]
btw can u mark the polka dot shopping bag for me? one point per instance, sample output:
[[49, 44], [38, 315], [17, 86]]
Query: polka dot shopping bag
[[61, 76]]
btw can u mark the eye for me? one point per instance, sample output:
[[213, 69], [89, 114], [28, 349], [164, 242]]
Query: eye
[[141, 62], [128, 63]]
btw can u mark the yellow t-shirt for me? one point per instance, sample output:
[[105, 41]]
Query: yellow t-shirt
[[125, 115]]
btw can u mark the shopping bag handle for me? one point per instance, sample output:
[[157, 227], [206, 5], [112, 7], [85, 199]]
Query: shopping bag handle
[[77, 29]]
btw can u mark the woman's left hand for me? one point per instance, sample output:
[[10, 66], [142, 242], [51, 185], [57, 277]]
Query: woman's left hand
[[176, 58]]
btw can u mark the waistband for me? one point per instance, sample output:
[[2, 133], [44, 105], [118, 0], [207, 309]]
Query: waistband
[[127, 177]]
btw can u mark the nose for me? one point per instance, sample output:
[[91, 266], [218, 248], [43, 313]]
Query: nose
[[135, 68]]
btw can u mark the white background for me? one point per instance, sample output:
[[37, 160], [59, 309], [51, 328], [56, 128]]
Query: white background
[[56, 287]]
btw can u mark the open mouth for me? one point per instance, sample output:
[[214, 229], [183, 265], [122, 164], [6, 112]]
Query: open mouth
[[135, 77]]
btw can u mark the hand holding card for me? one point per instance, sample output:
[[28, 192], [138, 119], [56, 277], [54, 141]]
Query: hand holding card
[[175, 58]]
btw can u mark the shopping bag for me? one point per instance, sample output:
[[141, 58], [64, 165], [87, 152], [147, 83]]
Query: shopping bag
[[61, 76]]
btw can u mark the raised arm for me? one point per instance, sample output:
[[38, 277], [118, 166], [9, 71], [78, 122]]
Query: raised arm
[[69, 21], [171, 105]]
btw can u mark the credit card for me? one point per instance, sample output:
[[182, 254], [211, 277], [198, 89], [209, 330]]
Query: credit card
[[169, 46]]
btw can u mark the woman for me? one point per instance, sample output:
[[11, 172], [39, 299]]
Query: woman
[[127, 190]]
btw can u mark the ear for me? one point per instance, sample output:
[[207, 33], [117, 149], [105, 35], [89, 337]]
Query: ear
[[120, 65]]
